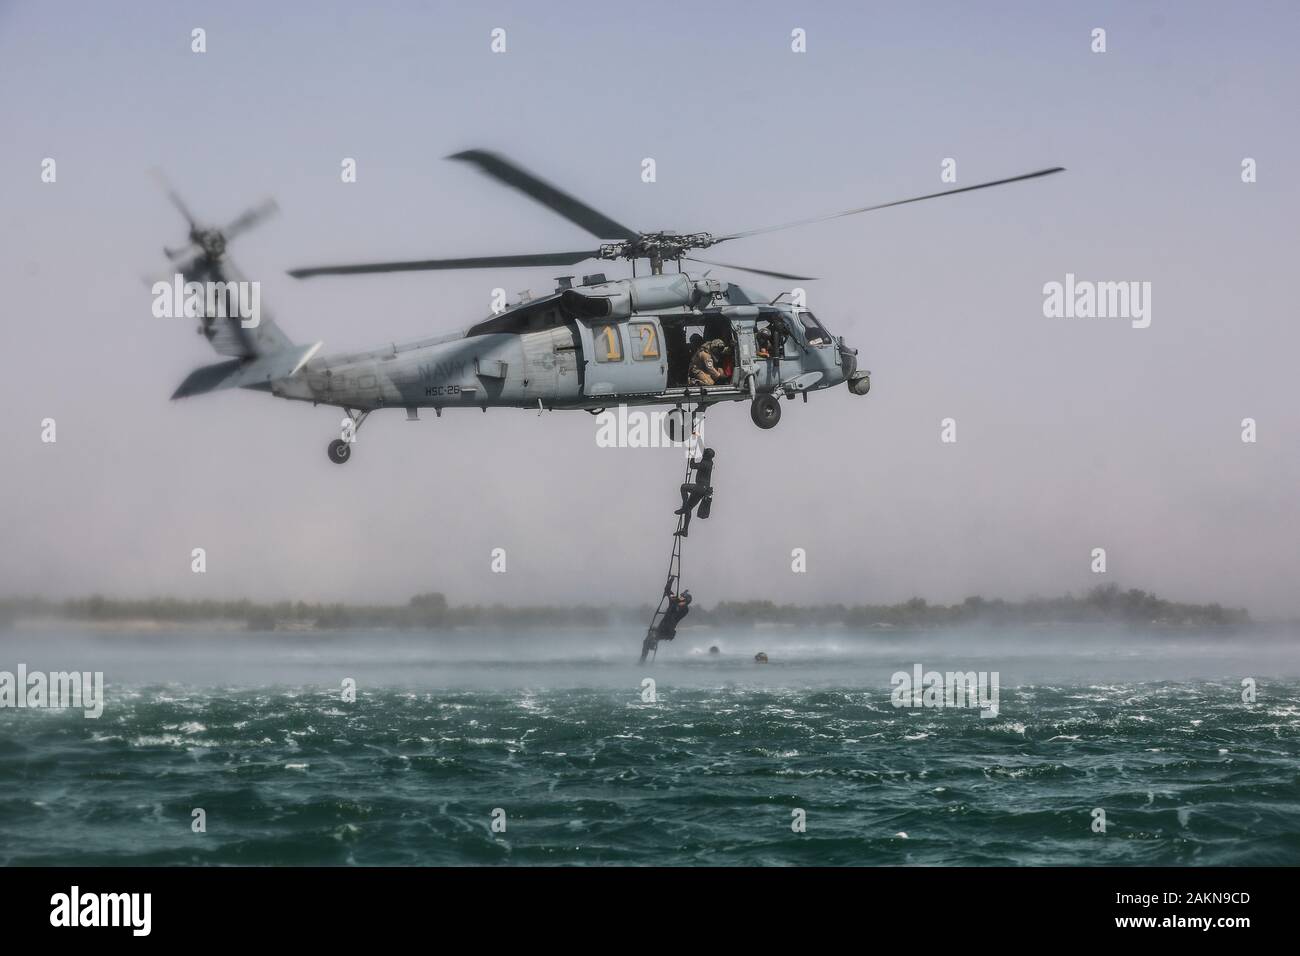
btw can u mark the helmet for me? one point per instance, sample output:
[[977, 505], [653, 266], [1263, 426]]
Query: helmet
[[685, 596]]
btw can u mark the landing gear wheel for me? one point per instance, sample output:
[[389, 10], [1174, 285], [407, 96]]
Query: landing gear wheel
[[340, 451], [765, 411]]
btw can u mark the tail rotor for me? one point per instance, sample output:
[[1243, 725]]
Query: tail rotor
[[209, 243]]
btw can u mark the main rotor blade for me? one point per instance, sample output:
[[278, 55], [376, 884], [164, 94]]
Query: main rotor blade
[[250, 218], [896, 202], [187, 251], [574, 210], [762, 272], [477, 262], [161, 179]]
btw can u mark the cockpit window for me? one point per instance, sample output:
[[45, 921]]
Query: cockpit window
[[813, 330]]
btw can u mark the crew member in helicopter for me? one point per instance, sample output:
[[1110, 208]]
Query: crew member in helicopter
[[679, 605], [712, 363], [771, 338], [723, 358], [693, 492], [704, 368]]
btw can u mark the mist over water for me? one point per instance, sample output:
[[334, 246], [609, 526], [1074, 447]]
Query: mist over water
[[551, 727], [493, 658]]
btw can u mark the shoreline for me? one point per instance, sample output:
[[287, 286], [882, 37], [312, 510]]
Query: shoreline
[[160, 626]]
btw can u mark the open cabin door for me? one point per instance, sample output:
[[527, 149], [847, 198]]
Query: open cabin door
[[626, 357]]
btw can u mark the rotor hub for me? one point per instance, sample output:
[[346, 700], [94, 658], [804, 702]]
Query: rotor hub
[[212, 242], [660, 246]]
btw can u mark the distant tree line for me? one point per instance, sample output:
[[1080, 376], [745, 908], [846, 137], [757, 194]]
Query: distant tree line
[[422, 611], [1103, 604]]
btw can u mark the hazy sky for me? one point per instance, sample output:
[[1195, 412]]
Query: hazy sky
[[1072, 433]]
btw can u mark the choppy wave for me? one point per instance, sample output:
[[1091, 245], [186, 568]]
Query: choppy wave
[[709, 773]]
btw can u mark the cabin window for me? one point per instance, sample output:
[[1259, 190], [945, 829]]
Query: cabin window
[[813, 331], [645, 342], [608, 347]]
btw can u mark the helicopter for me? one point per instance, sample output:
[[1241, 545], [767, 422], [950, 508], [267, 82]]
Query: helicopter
[[585, 345]]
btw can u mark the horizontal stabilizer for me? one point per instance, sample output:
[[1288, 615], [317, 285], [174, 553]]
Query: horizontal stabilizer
[[247, 373]]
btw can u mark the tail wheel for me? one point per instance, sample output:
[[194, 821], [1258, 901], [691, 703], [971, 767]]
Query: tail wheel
[[339, 451], [765, 411]]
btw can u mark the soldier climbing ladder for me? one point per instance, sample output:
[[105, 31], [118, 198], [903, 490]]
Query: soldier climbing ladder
[[672, 603]]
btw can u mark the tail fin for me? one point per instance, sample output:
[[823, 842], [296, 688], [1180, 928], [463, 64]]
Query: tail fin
[[259, 351], [257, 372], [225, 330]]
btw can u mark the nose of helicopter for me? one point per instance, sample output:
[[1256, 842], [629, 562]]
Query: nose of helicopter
[[848, 359], [859, 382]]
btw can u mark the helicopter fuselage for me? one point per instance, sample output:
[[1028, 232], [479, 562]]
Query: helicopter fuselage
[[588, 348]]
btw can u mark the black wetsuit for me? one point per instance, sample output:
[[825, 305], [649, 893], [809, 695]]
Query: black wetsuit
[[693, 492], [677, 609]]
